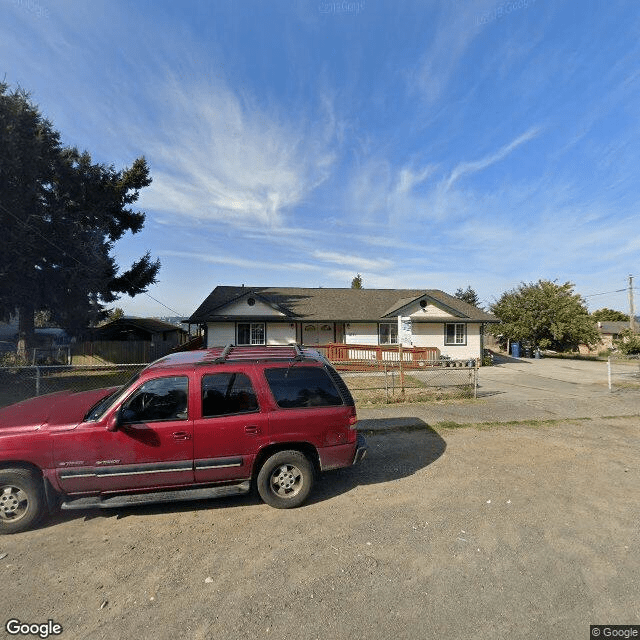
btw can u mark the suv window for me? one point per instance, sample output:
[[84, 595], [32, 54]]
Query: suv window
[[159, 399], [302, 387], [225, 394]]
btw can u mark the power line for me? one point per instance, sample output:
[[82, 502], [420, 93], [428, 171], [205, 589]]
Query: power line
[[604, 293], [85, 266]]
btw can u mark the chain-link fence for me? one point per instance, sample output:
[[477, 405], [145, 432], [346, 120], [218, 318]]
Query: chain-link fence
[[20, 383], [623, 373], [369, 383], [384, 383]]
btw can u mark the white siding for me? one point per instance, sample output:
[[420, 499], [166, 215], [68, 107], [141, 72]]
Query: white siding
[[432, 335], [220, 334], [280, 333], [428, 334], [241, 308], [430, 311], [361, 333], [415, 310]]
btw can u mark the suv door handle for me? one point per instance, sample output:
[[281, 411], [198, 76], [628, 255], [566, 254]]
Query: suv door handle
[[181, 435], [252, 429]]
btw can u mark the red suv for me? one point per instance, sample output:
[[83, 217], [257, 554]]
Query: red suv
[[197, 424]]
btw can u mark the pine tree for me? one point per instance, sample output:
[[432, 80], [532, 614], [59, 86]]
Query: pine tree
[[61, 215]]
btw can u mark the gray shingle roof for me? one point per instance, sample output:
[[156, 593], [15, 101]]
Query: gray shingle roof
[[612, 327], [147, 324], [336, 305]]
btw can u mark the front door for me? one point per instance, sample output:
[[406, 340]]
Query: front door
[[317, 333], [152, 447]]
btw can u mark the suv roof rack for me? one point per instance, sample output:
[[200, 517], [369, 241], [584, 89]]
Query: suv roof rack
[[232, 353]]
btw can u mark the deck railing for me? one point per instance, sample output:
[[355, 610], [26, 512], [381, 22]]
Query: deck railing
[[345, 355]]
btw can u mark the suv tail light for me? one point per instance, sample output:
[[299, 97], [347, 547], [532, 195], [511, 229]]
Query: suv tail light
[[353, 421]]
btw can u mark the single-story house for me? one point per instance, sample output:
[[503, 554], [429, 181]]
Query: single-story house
[[141, 329], [609, 331], [316, 316]]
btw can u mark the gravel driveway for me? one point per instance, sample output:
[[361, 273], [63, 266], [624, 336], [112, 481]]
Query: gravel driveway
[[502, 531]]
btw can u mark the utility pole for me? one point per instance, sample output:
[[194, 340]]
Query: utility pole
[[632, 310]]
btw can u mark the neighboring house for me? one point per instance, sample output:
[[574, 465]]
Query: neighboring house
[[316, 316], [44, 337], [141, 329], [609, 331]]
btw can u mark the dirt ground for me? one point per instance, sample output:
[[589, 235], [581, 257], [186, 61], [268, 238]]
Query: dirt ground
[[519, 531]]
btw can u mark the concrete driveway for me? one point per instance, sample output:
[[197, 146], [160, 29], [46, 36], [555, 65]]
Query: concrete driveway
[[529, 389]]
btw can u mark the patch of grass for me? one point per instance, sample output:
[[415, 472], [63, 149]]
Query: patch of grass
[[511, 423], [369, 390], [450, 424], [573, 356]]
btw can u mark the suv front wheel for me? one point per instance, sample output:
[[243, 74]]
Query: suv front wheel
[[285, 479], [22, 501]]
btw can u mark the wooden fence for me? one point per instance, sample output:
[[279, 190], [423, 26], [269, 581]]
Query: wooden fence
[[122, 351]]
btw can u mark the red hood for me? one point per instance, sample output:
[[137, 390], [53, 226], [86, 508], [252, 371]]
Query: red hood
[[63, 407]]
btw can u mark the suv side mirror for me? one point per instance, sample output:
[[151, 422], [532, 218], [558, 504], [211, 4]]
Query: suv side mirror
[[113, 422]]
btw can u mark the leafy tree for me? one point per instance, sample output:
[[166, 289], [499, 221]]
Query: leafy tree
[[42, 319], [61, 215], [609, 315], [628, 342], [356, 283], [469, 296], [548, 314]]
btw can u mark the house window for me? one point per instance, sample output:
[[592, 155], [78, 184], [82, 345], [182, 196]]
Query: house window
[[455, 333], [388, 333], [250, 333]]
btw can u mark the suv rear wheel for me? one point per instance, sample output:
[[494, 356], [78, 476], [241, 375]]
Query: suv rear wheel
[[22, 501], [285, 479]]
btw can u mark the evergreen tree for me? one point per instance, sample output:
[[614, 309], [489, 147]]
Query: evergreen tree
[[61, 215], [469, 296]]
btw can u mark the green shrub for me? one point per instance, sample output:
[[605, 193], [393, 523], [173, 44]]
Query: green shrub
[[628, 342]]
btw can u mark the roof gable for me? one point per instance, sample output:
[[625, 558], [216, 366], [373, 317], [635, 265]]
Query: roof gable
[[250, 304], [337, 304], [424, 306]]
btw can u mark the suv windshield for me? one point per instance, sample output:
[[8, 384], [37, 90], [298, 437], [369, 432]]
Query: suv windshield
[[101, 407]]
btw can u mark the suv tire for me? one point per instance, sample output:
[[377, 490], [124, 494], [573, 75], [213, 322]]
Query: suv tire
[[22, 501], [285, 479]]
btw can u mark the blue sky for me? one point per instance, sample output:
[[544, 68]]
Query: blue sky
[[297, 143]]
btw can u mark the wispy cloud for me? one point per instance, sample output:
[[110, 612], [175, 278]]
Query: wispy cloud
[[231, 261], [453, 34], [466, 168], [357, 262], [222, 157]]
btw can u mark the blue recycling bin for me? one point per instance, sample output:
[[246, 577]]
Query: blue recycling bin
[[515, 349]]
